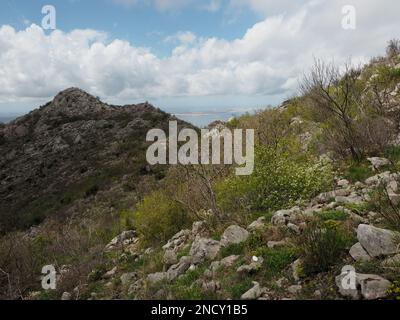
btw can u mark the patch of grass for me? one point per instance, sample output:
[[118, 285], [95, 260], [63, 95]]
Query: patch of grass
[[277, 259], [236, 287], [335, 215], [359, 208], [393, 153], [369, 267], [233, 249], [358, 172], [187, 287]]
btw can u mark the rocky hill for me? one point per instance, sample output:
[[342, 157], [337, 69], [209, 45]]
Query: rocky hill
[[319, 218], [69, 149]]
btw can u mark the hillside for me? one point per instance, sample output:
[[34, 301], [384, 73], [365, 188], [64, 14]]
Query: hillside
[[322, 205], [67, 150]]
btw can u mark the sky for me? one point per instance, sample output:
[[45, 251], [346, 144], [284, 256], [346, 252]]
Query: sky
[[184, 56]]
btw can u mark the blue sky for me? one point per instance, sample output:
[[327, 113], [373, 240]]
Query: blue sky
[[212, 56], [142, 24]]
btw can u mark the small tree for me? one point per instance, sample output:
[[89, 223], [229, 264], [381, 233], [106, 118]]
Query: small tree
[[393, 48], [337, 92]]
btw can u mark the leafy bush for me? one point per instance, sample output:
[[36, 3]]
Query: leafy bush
[[158, 218], [394, 291], [322, 245], [279, 180]]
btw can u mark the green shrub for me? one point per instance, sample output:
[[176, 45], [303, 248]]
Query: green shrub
[[279, 180], [126, 220], [323, 245], [336, 215], [388, 211], [394, 291], [158, 218]]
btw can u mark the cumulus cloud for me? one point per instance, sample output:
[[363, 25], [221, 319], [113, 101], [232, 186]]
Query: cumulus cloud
[[267, 60]]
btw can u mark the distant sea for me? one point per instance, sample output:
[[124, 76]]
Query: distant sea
[[200, 119], [5, 119], [203, 119]]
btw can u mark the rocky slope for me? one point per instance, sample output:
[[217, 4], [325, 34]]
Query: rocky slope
[[70, 148], [195, 260]]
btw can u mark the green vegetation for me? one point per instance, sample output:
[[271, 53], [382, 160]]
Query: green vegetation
[[358, 171], [277, 259], [336, 215], [323, 245], [280, 179], [158, 218]]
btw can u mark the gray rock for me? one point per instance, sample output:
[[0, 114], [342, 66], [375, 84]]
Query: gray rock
[[343, 183], [384, 177], [348, 290], [342, 193], [200, 229], [254, 293], [295, 289], [136, 287], [283, 217], [216, 265], [110, 274], [257, 225], [156, 277], [377, 242], [253, 267], [211, 286], [292, 227], [353, 199], [66, 296], [358, 253], [234, 235], [178, 269], [378, 162], [275, 244], [124, 238], [170, 257], [297, 269], [204, 249], [127, 278], [368, 286], [178, 240], [373, 286]]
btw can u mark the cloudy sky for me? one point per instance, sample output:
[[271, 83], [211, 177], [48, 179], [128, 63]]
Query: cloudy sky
[[186, 55]]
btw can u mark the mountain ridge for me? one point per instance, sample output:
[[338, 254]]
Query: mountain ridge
[[73, 137]]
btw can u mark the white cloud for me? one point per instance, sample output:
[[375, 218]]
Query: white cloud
[[186, 37], [267, 60], [161, 5]]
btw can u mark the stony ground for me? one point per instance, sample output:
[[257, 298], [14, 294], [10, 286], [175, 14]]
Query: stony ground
[[197, 264]]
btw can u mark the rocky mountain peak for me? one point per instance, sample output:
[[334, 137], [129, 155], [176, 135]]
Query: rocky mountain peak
[[74, 101]]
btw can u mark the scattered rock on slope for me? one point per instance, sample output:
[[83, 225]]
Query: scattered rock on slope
[[377, 242]]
